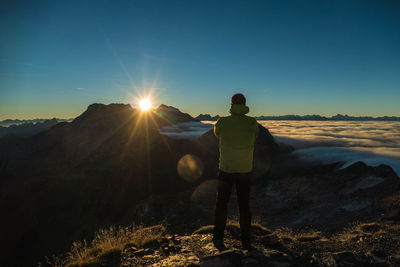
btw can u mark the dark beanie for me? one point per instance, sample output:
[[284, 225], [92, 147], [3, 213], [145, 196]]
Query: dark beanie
[[238, 99]]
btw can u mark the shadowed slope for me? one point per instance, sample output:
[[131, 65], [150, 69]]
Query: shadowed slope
[[75, 177]]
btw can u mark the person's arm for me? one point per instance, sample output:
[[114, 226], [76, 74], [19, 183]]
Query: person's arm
[[217, 128]]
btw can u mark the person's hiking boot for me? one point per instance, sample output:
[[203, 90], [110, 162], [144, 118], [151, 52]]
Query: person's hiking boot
[[219, 243]]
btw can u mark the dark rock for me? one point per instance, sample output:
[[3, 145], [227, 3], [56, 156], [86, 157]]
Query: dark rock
[[348, 258], [378, 256], [225, 258], [254, 258], [395, 259], [269, 240]]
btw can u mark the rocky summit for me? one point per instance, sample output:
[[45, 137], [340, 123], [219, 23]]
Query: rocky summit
[[154, 196], [363, 244]]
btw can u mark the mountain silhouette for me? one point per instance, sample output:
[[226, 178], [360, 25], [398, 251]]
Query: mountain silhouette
[[207, 117]]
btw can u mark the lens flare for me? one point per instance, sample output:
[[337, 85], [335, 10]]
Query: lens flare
[[190, 167], [145, 104]]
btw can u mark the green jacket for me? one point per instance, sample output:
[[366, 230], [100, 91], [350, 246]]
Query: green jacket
[[237, 134]]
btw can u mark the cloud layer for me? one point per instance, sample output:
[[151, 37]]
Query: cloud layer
[[383, 137], [187, 130], [374, 142]]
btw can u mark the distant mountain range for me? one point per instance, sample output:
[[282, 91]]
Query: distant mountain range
[[9, 122], [338, 117], [207, 117], [28, 129]]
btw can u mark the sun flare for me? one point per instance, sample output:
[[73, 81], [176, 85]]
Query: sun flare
[[145, 104]]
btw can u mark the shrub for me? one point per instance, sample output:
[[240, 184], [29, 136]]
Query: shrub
[[108, 244], [285, 234]]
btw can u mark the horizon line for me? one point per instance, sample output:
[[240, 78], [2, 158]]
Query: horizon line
[[255, 116], [133, 106]]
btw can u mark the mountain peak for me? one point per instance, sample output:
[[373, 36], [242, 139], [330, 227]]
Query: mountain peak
[[172, 114], [116, 114], [99, 111], [166, 107], [95, 107]]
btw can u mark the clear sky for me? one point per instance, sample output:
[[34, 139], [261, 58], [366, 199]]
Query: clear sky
[[288, 57]]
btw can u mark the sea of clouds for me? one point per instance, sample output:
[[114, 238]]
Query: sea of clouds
[[187, 130], [373, 142]]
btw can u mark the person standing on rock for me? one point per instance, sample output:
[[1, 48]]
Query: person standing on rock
[[237, 134]]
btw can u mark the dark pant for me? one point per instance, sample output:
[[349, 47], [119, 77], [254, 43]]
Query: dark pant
[[225, 183]]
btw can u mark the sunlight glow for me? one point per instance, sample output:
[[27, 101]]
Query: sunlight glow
[[145, 104]]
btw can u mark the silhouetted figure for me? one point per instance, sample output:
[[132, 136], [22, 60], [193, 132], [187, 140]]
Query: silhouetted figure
[[236, 134]]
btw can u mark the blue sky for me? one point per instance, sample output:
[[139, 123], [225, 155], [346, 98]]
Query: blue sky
[[288, 57]]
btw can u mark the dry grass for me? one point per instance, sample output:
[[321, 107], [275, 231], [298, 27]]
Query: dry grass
[[234, 228], [357, 231], [308, 237], [208, 229], [285, 234], [108, 245], [258, 229]]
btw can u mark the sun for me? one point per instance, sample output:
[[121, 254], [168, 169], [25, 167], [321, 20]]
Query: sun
[[145, 104]]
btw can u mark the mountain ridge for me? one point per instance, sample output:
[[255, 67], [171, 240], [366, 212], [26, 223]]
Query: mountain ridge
[[338, 117], [9, 122], [27, 129]]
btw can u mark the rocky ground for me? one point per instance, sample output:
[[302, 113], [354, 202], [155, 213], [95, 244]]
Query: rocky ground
[[363, 244], [319, 215]]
